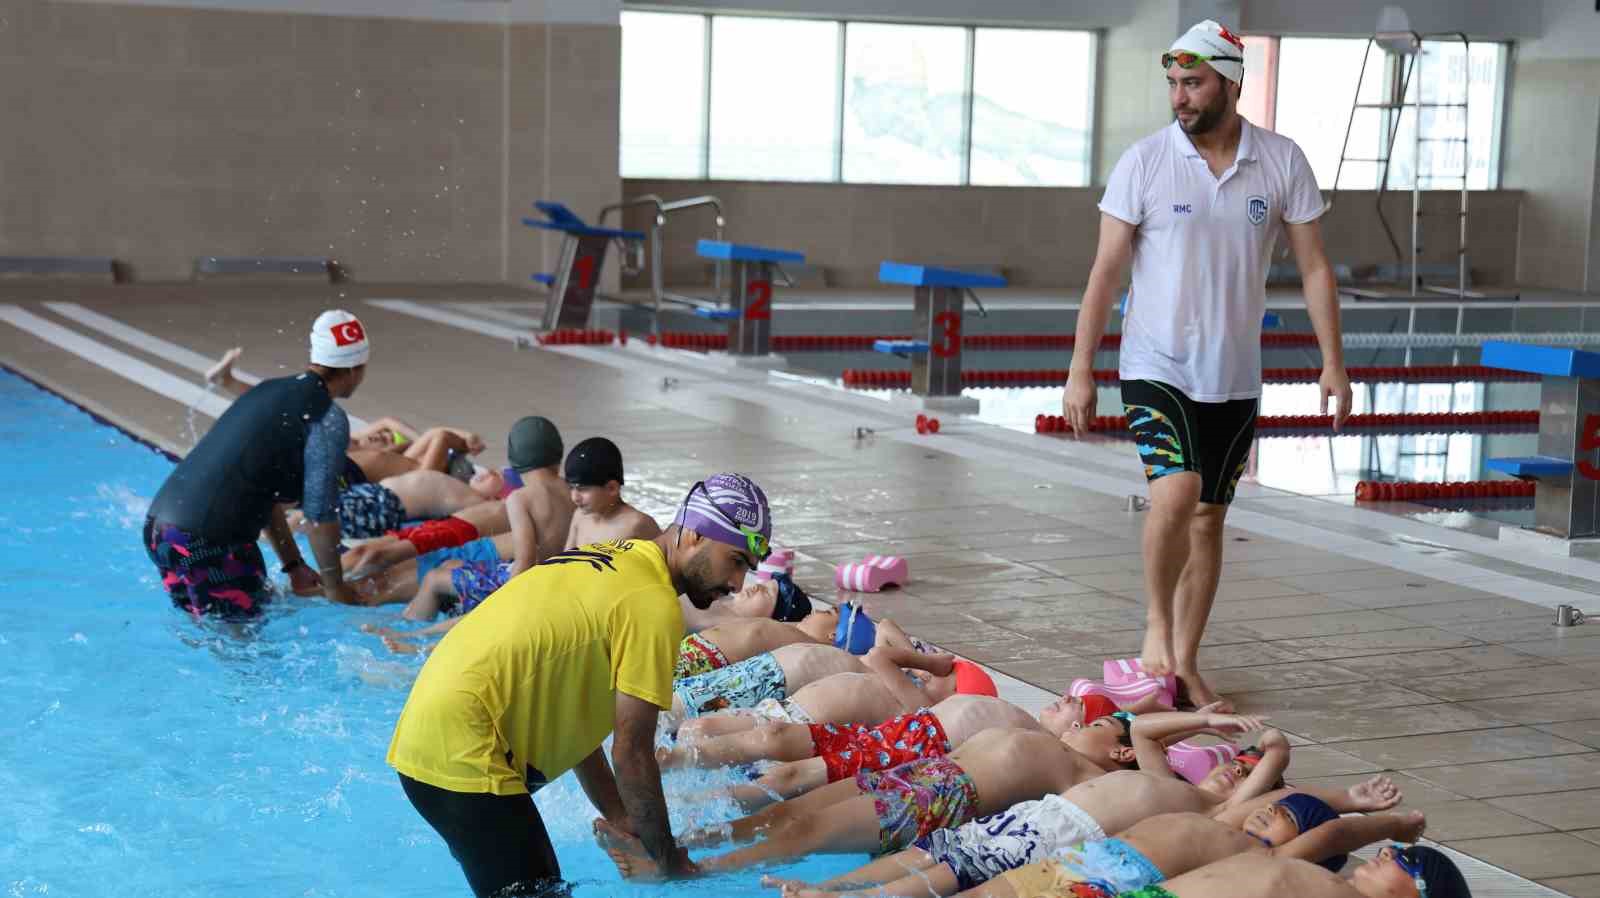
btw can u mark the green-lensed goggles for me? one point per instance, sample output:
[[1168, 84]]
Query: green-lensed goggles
[[1187, 60]]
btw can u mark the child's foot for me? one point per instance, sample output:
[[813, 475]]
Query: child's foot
[[626, 851], [1376, 794], [222, 372]]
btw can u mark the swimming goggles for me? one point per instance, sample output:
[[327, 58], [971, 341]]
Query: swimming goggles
[[1412, 868], [1187, 60]]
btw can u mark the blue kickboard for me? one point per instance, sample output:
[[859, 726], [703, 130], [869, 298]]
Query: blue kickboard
[[926, 276], [716, 314], [903, 346], [1555, 361], [744, 252], [545, 278], [1531, 466]]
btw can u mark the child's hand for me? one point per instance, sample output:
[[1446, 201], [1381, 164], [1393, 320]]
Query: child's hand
[[1236, 723], [1376, 794], [1272, 738]]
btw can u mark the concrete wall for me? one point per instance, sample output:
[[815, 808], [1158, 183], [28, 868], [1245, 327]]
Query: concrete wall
[[402, 147], [1552, 148], [1042, 236]]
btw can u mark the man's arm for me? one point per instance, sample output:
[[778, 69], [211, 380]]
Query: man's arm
[[594, 775], [324, 540], [303, 581], [524, 533], [1111, 258], [638, 779], [1322, 303]]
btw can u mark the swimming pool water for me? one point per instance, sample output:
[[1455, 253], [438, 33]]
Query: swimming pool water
[[144, 753]]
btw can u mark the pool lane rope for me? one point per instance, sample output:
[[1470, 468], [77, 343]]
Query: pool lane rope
[[1519, 421]]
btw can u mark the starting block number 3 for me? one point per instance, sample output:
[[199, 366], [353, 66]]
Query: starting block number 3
[[759, 306], [949, 327]]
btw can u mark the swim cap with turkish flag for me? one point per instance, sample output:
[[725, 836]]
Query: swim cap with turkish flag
[[1211, 40], [338, 340]]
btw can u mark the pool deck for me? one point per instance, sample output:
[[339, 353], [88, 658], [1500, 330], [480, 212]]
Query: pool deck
[[1380, 643]]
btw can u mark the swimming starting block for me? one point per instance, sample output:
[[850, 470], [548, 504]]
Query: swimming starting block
[[749, 309], [583, 254], [939, 297]]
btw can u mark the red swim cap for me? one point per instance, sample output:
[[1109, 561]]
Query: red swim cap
[[971, 680], [1096, 707]]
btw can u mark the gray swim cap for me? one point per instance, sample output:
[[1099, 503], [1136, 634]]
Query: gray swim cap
[[534, 443]]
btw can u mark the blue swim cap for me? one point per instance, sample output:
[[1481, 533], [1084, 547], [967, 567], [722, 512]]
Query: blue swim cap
[[1310, 812], [855, 632]]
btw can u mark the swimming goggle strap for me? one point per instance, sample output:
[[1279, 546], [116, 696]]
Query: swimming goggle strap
[[1412, 868], [1187, 60]]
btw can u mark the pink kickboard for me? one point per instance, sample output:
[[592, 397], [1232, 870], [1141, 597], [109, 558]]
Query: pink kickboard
[[1193, 762], [781, 561], [1121, 671], [872, 574], [1123, 696]]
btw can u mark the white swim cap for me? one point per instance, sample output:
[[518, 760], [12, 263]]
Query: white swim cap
[[338, 340], [1211, 39]]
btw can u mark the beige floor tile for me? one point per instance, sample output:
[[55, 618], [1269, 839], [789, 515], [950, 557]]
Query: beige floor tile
[[1290, 675], [1533, 629], [1503, 683], [1277, 606], [1551, 708], [1327, 698], [1575, 886], [1312, 625], [1313, 564], [1423, 664], [1469, 610], [1588, 835], [1246, 654], [1093, 564], [1330, 727], [1380, 642], [1471, 819], [1540, 856], [1525, 776], [1562, 645], [1413, 790], [1346, 581], [1436, 750], [1306, 761], [1414, 592], [1562, 810], [1584, 731]]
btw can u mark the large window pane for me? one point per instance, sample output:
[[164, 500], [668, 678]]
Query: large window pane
[[903, 105], [1031, 107], [1257, 97], [1317, 80], [663, 95], [1442, 75], [774, 98]]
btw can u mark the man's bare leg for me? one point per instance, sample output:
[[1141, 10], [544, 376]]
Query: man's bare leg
[[1166, 549], [1197, 590]]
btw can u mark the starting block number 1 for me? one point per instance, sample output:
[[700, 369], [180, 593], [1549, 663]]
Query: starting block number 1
[[1588, 442], [759, 304], [583, 267]]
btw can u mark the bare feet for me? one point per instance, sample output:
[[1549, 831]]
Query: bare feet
[[401, 646], [1197, 691], [626, 851], [1376, 794], [1156, 656], [794, 888], [221, 373]]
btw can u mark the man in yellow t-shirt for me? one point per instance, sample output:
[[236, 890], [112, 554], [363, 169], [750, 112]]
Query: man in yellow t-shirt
[[529, 685]]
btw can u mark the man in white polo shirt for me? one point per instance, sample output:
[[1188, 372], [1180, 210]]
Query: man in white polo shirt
[[1198, 207]]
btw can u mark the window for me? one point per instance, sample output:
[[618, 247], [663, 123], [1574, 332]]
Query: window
[[663, 85], [784, 99], [774, 98], [1031, 107], [904, 103], [1317, 80], [1442, 75]]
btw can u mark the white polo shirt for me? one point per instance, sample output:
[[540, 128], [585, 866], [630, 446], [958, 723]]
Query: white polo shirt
[[1200, 256]]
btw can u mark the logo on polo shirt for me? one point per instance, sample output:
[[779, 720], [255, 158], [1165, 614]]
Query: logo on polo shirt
[[1182, 208], [1255, 208]]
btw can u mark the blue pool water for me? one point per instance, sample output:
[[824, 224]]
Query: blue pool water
[[145, 754]]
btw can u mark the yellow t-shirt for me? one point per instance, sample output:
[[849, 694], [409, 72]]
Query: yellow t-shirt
[[525, 684]]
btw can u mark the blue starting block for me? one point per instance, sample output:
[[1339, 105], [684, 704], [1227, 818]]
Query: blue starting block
[[583, 254], [1567, 500], [939, 298], [749, 309]]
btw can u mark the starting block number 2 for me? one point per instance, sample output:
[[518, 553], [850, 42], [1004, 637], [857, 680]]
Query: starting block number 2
[[759, 305]]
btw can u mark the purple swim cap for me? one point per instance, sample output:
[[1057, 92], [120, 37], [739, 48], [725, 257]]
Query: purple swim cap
[[729, 508]]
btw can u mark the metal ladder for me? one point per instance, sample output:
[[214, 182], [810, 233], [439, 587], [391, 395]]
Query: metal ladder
[[1404, 52]]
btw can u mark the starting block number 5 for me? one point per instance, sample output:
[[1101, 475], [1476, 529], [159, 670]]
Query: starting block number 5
[[759, 306]]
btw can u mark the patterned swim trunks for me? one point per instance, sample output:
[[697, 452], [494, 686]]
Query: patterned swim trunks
[[741, 685], [698, 655], [474, 582], [203, 578], [1101, 869], [915, 799], [848, 749], [1022, 834], [369, 510]]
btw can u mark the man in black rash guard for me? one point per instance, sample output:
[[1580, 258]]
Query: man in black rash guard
[[280, 444]]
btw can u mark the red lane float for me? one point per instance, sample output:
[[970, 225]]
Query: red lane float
[[1408, 422], [573, 336], [1380, 491], [1036, 377]]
